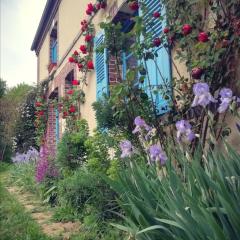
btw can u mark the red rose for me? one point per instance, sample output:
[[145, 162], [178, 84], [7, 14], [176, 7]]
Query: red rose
[[75, 82], [197, 73], [98, 6], [133, 6], [75, 53], [90, 65], [84, 28], [72, 109], [83, 48], [88, 38], [60, 106], [186, 29], [70, 91], [80, 66], [157, 42], [40, 113], [156, 14], [65, 114], [202, 37], [88, 12], [90, 7], [84, 22], [38, 104], [166, 30], [71, 60], [171, 39], [103, 5]]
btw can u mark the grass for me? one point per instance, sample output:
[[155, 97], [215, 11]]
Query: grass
[[15, 223]]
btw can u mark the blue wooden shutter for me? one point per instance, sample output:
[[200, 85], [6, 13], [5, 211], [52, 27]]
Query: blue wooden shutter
[[54, 52], [160, 73], [101, 67]]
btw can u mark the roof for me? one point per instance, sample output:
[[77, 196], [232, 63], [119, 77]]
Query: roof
[[47, 16]]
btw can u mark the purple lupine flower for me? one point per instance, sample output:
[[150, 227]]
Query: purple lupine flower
[[41, 170], [184, 129], [157, 154], [226, 98], [126, 148], [42, 164], [140, 125], [202, 95]]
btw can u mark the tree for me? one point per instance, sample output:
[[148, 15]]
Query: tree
[[9, 113]]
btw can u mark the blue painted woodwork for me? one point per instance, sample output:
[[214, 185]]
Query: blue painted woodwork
[[101, 67], [159, 71], [54, 52]]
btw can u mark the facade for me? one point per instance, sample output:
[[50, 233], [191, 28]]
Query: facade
[[59, 35]]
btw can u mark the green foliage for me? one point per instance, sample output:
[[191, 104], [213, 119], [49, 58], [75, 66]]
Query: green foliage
[[25, 132], [71, 150], [93, 230], [3, 87], [65, 214], [101, 153], [23, 175], [104, 113], [15, 223], [83, 189], [9, 114], [115, 40], [187, 200]]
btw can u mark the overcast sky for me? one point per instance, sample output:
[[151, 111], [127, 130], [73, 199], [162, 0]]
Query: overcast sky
[[19, 22]]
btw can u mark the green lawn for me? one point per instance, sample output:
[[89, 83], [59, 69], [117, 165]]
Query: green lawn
[[15, 223]]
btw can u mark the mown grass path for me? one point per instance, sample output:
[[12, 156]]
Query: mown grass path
[[23, 217]]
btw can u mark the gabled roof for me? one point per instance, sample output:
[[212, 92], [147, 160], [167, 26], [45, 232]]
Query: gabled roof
[[45, 22]]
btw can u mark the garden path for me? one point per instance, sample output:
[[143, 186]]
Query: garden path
[[43, 216]]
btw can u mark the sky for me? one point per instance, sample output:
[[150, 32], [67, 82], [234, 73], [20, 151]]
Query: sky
[[19, 20]]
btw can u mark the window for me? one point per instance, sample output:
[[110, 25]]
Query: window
[[68, 80], [54, 45]]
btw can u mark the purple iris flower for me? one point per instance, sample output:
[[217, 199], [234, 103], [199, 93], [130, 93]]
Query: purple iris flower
[[202, 95], [31, 155], [184, 129], [140, 124], [226, 98], [157, 154], [126, 148]]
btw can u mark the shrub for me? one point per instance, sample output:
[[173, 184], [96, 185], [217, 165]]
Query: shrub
[[84, 189], [101, 153], [71, 150]]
